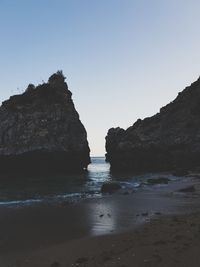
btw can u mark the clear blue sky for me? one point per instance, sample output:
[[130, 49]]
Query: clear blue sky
[[123, 59]]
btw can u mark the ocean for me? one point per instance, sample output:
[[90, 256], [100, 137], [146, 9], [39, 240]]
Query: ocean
[[30, 190]]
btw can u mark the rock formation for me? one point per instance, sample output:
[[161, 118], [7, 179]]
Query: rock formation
[[169, 140], [40, 130]]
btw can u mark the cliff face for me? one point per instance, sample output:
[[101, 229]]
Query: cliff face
[[169, 140], [40, 130]]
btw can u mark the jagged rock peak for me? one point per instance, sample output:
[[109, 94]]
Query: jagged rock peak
[[57, 78], [40, 129], [55, 90]]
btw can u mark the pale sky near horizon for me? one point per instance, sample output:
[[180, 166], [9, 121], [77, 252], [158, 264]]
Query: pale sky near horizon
[[123, 59]]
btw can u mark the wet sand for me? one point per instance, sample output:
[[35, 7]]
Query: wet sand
[[159, 227], [166, 241]]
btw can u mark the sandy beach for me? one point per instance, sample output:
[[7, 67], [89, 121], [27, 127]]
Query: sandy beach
[[158, 227], [99, 133], [163, 241]]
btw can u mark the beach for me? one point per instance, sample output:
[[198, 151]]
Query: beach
[[152, 221], [100, 133], [165, 241], [163, 231]]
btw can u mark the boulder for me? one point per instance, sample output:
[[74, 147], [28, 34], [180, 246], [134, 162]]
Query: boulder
[[110, 187]]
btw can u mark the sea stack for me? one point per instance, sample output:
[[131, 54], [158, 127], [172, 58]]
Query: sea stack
[[169, 140], [40, 130]]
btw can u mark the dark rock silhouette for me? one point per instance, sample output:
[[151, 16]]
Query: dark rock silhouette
[[40, 130], [110, 187], [155, 181], [189, 189], [169, 140]]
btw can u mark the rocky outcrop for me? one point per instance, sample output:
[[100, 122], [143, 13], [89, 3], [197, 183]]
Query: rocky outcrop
[[170, 140], [40, 130]]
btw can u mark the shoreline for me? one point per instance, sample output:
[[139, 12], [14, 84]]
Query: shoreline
[[152, 223], [164, 241]]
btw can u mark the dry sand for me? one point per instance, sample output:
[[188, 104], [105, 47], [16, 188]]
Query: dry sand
[[164, 241]]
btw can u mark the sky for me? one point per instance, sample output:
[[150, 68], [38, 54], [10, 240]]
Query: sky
[[123, 59]]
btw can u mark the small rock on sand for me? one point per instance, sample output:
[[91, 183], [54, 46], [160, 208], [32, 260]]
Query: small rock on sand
[[161, 180], [145, 214], [110, 187], [157, 213]]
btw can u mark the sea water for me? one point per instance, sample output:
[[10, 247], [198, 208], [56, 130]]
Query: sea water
[[32, 189]]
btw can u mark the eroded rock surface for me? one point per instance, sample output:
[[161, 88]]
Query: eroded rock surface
[[40, 130], [169, 140]]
